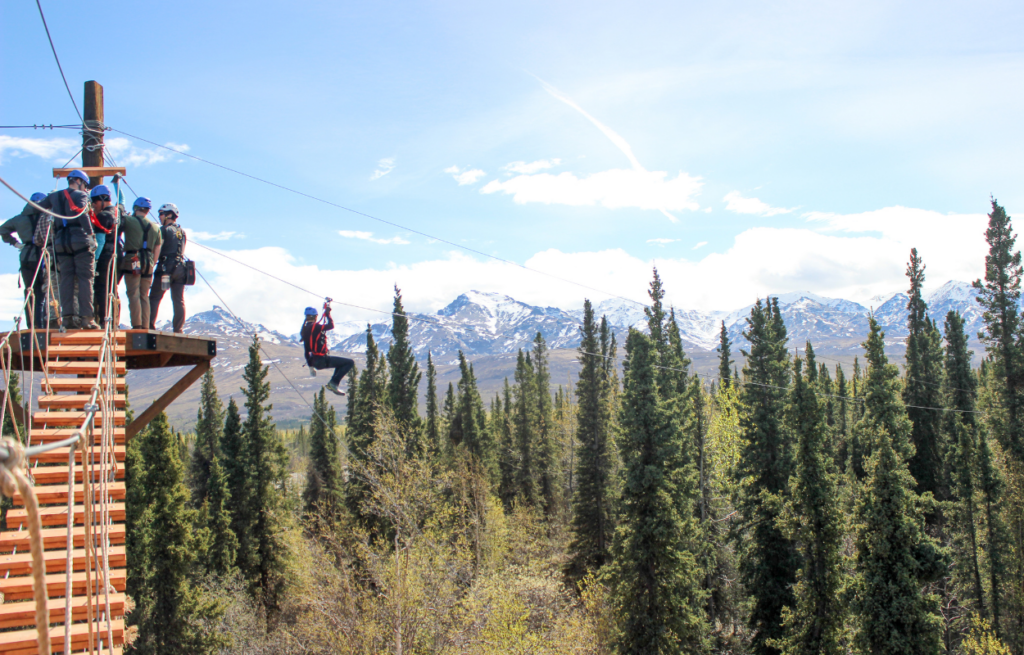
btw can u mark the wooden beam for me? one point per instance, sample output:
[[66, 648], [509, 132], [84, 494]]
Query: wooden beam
[[92, 171], [161, 403]]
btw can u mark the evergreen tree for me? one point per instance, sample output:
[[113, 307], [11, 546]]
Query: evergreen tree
[[472, 422], [961, 430], [13, 388], [999, 295], [233, 449], [895, 557], [656, 314], [656, 579], [172, 611], [323, 495], [262, 551], [991, 483], [842, 432], [352, 399], [814, 520], [592, 506], [545, 457], [136, 502], [766, 463], [209, 431], [222, 550], [433, 426], [502, 434], [724, 354], [453, 429], [371, 399], [403, 385], [525, 409], [921, 388]]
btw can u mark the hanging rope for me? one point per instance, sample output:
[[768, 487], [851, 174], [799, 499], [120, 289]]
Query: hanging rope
[[13, 480]]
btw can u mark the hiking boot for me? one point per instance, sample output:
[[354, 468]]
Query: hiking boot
[[68, 323], [88, 323], [333, 388]]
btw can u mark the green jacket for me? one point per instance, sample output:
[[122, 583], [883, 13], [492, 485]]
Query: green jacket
[[25, 225]]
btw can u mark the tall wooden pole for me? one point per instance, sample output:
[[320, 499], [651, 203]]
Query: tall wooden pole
[[92, 134]]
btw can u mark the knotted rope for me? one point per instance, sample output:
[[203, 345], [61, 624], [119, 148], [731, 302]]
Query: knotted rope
[[13, 480]]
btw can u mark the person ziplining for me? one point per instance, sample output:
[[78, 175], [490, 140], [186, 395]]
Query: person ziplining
[[314, 344]]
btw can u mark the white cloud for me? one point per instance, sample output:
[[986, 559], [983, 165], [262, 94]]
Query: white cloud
[[464, 177], [613, 189], [700, 245], [210, 236], [662, 242], [737, 203], [368, 236], [60, 150], [532, 167], [384, 166], [55, 149]]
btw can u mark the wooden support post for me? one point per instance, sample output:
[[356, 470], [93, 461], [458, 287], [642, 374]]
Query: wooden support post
[[92, 134], [161, 403]]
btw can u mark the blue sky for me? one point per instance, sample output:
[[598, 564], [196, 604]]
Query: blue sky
[[745, 148]]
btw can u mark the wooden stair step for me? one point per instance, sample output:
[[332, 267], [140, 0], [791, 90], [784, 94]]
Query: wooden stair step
[[20, 588], [17, 615], [80, 367], [84, 351], [23, 642], [57, 474], [60, 456], [81, 385], [73, 401], [56, 561], [51, 419], [57, 537], [80, 337], [57, 515], [53, 494], [49, 435]]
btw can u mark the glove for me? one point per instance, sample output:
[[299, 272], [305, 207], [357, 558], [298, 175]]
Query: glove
[[312, 372], [19, 246]]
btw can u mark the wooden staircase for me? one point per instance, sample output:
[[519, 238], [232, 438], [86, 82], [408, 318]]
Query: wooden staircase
[[74, 356]]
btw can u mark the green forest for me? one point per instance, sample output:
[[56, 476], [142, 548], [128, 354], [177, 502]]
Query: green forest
[[782, 506]]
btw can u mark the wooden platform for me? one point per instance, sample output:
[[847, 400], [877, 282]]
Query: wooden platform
[[71, 362]]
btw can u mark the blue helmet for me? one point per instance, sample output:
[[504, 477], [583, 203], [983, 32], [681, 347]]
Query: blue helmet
[[145, 203], [36, 197], [99, 190], [79, 174], [310, 311]]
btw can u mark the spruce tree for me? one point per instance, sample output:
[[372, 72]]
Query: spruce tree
[[503, 435], [999, 295], [262, 550], [724, 354], [992, 485], [453, 429], [174, 616], [472, 422], [814, 520], [403, 385], [895, 557], [222, 551], [372, 399], [921, 386], [233, 449], [656, 580], [770, 563], [545, 455], [323, 496], [525, 409], [961, 430], [592, 506], [209, 431], [433, 424]]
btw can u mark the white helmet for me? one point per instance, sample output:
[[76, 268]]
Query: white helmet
[[169, 207]]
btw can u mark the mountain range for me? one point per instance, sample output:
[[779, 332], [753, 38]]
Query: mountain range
[[490, 328]]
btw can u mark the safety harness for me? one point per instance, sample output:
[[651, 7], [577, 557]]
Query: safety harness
[[63, 236]]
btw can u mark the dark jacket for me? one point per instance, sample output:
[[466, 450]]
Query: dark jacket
[[74, 235], [107, 219], [314, 338], [172, 248], [25, 225]]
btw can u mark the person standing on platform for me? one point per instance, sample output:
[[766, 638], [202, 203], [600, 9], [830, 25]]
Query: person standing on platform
[[25, 225], [104, 219], [170, 268], [74, 245], [141, 249], [314, 343]]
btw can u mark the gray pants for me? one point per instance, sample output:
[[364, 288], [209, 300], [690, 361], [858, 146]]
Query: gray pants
[[137, 288], [156, 294], [80, 269]]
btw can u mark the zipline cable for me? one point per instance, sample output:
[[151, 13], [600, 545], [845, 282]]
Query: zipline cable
[[59, 67]]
